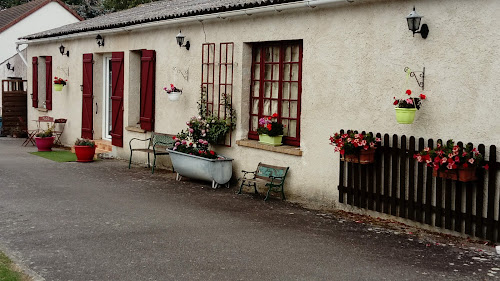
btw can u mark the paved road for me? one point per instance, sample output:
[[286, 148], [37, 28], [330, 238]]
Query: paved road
[[101, 221]]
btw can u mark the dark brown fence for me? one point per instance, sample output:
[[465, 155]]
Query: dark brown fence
[[396, 184], [14, 104]]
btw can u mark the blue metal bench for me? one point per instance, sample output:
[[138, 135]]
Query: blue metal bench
[[272, 176]]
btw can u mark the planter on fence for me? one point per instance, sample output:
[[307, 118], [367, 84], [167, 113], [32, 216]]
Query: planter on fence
[[218, 171], [461, 174], [364, 157]]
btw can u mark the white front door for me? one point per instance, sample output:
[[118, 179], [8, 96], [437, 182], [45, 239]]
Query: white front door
[[107, 98]]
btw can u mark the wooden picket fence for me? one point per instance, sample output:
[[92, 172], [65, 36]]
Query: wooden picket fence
[[396, 184]]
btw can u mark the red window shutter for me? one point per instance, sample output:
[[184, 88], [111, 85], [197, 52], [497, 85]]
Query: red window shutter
[[34, 95], [87, 100], [48, 83], [117, 82], [148, 75]]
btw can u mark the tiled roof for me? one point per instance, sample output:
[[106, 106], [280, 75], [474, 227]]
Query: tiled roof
[[11, 16], [155, 11]]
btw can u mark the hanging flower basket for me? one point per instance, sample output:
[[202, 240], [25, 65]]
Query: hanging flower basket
[[58, 87], [174, 96], [405, 115], [460, 174], [364, 157]]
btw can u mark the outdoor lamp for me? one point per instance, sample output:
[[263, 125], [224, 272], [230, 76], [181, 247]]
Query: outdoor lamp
[[100, 40], [9, 66], [61, 49], [180, 40], [414, 24]]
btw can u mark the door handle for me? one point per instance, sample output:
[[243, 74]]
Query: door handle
[[96, 108]]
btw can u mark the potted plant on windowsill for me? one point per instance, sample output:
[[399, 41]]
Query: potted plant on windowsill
[[59, 83], [407, 107], [44, 140], [451, 161], [173, 93], [85, 150], [270, 132], [355, 147]]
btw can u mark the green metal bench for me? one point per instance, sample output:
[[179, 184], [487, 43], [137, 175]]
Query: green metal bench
[[272, 176], [157, 144]]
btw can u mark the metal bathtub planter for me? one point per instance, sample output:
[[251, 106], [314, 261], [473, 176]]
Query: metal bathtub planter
[[218, 171]]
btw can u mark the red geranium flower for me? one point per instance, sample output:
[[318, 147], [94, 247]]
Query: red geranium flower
[[275, 115], [408, 92], [422, 96]]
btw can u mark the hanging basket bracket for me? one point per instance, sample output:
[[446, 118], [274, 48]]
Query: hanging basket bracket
[[422, 76]]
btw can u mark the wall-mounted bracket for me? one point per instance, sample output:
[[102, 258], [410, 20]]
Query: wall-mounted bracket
[[64, 70], [185, 74], [413, 74]]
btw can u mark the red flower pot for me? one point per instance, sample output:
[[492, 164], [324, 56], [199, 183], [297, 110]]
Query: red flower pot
[[364, 157], [84, 153], [460, 174], [44, 144]]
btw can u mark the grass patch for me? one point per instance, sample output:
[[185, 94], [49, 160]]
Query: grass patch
[[6, 270], [57, 155]]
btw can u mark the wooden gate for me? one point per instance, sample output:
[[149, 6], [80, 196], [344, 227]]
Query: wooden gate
[[396, 184], [14, 103]]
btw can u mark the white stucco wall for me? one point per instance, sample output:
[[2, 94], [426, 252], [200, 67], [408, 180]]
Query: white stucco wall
[[353, 65], [47, 17]]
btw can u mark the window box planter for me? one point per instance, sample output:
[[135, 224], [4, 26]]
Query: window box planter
[[460, 174], [405, 115], [266, 139], [364, 157], [84, 153], [44, 144], [58, 87], [218, 171]]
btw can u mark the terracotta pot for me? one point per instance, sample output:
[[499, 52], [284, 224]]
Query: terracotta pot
[[364, 157], [461, 174], [84, 153], [44, 144]]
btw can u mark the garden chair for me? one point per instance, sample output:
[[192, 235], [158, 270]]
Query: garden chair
[[58, 130], [30, 134]]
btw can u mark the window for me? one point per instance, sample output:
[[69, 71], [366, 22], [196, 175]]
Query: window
[[42, 82], [276, 87]]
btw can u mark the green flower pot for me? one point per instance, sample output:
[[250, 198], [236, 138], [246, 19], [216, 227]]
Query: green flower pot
[[405, 115], [275, 141], [58, 87]]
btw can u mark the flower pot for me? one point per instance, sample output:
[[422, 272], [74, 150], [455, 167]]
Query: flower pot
[[44, 144], [85, 153], [405, 115], [58, 87], [174, 96], [364, 157], [219, 171], [460, 174], [275, 141]]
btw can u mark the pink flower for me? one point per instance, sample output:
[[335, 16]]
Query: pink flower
[[419, 158], [427, 149], [191, 130], [409, 101], [444, 160], [184, 141], [471, 160], [378, 140], [449, 166]]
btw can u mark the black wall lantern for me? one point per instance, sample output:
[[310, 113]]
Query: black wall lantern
[[61, 49], [180, 41], [100, 40], [9, 67], [414, 24]]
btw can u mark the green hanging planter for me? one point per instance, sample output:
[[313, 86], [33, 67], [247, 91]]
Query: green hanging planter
[[58, 87], [405, 115]]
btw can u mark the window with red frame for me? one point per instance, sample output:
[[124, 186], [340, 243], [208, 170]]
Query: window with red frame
[[276, 87]]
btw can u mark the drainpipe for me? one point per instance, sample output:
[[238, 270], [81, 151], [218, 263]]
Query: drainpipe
[[20, 54], [245, 12]]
